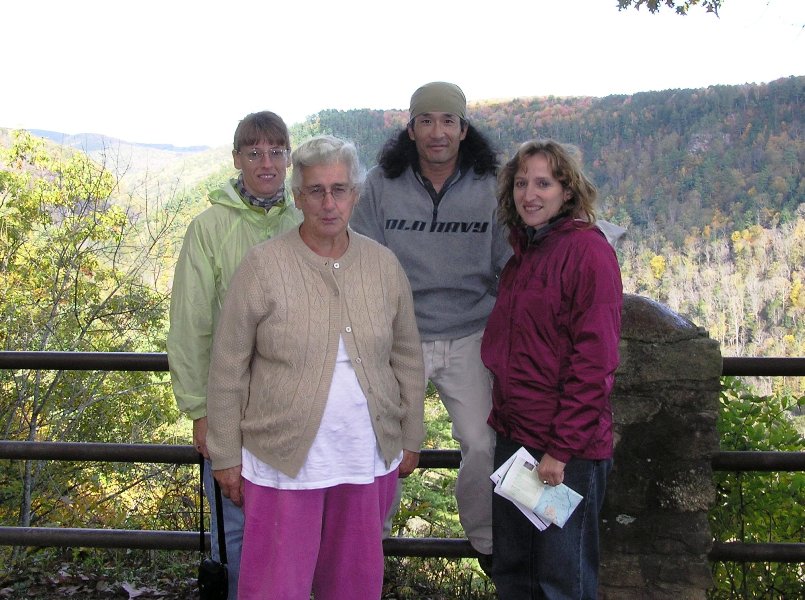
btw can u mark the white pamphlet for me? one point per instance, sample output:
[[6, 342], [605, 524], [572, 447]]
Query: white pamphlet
[[517, 480]]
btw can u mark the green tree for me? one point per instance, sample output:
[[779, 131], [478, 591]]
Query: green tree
[[78, 272]]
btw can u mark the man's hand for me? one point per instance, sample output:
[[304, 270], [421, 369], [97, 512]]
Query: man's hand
[[409, 462], [231, 483], [200, 436]]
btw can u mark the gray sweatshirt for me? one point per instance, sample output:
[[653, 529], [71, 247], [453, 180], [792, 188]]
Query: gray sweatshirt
[[452, 252]]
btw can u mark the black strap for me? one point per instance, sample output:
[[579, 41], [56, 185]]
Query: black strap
[[201, 504], [219, 513]]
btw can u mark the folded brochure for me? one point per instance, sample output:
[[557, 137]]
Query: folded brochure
[[543, 504]]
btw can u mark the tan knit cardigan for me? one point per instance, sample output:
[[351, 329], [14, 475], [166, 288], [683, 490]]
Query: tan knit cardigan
[[276, 343]]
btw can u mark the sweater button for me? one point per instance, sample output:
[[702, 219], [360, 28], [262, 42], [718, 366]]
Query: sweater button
[[348, 329], [336, 265]]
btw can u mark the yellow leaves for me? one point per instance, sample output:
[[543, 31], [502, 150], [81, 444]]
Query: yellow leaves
[[799, 229], [738, 242], [743, 239], [114, 217], [796, 295], [658, 266]]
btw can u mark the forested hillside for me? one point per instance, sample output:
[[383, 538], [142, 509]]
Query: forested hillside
[[666, 163]]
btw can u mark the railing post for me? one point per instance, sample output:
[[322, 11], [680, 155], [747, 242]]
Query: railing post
[[655, 537]]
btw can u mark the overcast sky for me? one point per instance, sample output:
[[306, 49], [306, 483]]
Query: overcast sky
[[184, 72]]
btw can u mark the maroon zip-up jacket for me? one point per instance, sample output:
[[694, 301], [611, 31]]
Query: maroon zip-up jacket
[[551, 341]]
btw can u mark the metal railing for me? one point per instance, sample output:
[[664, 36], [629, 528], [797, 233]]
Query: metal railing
[[158, 361], [395, 546]]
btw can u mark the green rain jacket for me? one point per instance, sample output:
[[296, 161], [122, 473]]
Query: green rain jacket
[[214, 244]]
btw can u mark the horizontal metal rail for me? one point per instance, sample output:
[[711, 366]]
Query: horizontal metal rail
[[762, 366], [71, 537], [156, 453], [85, 361], [767, 552], [755, 460], [99, 452], [64, 537], [394, 546], [428, 458]]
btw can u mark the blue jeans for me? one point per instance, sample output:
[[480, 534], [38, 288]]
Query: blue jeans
[[233, 531], [558, 563]]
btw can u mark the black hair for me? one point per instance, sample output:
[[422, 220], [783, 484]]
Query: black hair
[[476, 153]]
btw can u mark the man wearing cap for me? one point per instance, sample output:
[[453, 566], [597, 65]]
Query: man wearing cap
[[431, 199]]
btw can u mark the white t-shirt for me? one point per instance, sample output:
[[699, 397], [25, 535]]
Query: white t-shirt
[[345, 448]]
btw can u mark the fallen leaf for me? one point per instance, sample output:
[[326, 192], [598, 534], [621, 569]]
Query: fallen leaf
[[132, 591]]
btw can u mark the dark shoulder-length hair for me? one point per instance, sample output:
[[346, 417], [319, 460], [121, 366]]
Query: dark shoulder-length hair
[[476, 153], [565, 168]]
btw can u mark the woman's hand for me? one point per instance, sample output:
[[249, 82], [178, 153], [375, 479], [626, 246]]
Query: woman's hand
[[409, 462], [551, 471], [231, 484], [200, 436]]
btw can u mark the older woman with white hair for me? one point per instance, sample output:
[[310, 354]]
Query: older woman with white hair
[[316, 392]]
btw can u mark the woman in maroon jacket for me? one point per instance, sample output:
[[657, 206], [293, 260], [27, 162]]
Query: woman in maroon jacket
[[551, 344]]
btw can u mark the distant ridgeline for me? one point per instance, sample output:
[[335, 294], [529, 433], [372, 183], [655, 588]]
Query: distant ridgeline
[[715, 158], [91, 143]]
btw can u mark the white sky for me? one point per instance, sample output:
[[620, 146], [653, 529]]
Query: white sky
[[184, 72]]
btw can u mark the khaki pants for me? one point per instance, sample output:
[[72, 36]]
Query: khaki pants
[[465, 387]]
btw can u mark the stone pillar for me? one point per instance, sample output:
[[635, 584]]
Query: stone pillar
[[655, 535]]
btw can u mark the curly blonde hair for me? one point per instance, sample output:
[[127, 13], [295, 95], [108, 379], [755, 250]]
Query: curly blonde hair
[[565, 167]]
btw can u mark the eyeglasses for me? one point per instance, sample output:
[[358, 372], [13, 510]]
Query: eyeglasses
[[339, 192], [275, 154]]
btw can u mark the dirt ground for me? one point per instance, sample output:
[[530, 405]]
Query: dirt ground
[[87, 587]]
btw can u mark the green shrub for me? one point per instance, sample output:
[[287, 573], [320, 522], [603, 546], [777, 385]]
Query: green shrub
[[758, 507]]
